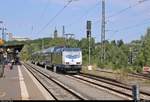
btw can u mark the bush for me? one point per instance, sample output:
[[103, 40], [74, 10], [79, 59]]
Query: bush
[[101, 65]]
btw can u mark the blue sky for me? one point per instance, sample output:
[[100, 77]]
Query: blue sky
[[25, 18]]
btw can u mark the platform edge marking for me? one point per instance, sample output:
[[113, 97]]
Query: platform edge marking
[[24, 92], [40, 87]]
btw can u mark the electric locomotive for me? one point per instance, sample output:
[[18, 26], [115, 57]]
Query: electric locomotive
[[60, 58]]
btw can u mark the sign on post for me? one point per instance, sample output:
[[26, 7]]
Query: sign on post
[[136, 93], [89, 67]]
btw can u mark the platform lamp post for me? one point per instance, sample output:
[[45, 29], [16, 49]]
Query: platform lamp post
[[1, 22], [3, 31], [2, 66]]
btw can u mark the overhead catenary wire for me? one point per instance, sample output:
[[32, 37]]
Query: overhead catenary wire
[[124, 10], [52, 19], [85, 14], [44, 10], [117, 13], [121, 11], [40, 17], [146, 21], [127, 8]]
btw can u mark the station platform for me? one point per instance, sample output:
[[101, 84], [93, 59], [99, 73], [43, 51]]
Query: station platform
[[19, 84]]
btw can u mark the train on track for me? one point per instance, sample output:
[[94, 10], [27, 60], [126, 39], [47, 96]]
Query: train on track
[[59, 58]]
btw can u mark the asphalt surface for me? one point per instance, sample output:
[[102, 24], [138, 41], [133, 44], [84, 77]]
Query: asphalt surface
[[11, 88]]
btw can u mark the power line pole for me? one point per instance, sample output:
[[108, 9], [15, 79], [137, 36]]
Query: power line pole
[[42, 43], [103, 32], [68, 37], [3, 31], [89, 38], [63, 31], [90, 50]]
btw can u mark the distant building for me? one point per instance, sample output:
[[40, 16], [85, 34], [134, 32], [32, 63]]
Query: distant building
[[12, 38], [55, 33], [20, 39]]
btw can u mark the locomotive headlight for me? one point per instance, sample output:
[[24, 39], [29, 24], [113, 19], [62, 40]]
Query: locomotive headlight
[[78, 62], [67, 62]]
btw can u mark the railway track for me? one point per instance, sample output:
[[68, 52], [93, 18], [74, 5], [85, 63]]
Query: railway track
[[54, 87], [114, 86], [136, 75], [140, 75], [81, 90]]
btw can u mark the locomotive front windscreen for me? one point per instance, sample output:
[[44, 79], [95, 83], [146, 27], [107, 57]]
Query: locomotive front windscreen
[[72, 49]]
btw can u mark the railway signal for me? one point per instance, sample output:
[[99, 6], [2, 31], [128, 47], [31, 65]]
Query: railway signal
[[88, 29], [89, 38]]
